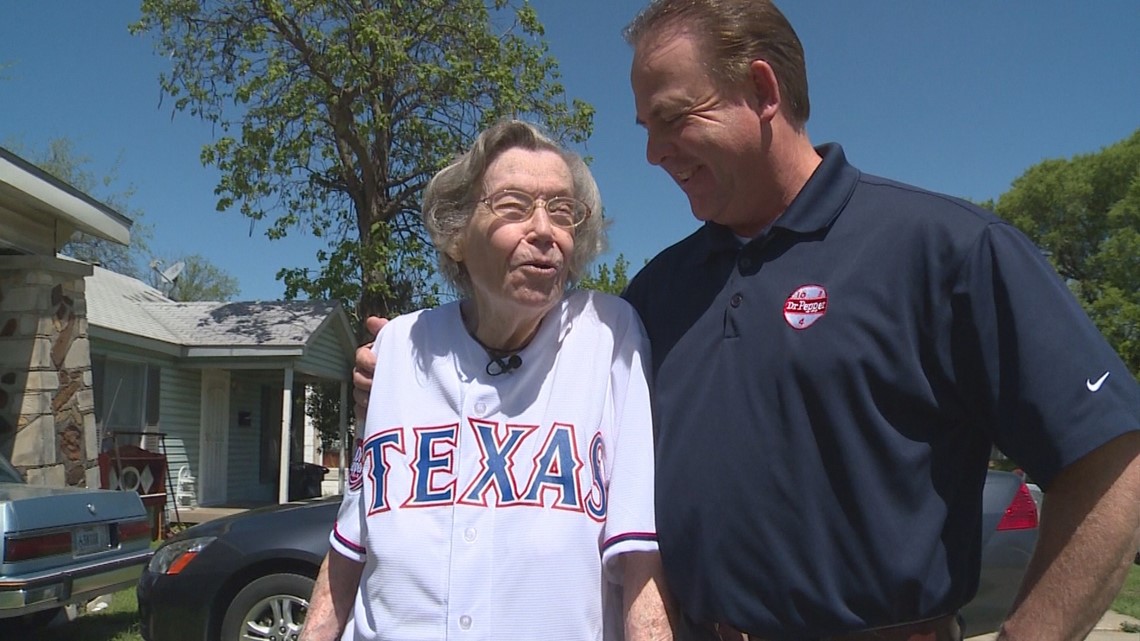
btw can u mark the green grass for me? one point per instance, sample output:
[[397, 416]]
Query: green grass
[[1128, 601], [119, 622]]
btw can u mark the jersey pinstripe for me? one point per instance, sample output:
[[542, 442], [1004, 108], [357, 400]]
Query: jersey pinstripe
[[494, 507]]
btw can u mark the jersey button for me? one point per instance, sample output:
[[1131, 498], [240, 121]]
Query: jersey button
[[469, 534], [480, 407], [736, 300], [465, 622]]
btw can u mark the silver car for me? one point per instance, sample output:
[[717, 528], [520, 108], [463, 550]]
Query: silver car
[[1009, 533], [65, 545]]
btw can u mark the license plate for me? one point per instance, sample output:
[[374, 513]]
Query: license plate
[[90, 539]]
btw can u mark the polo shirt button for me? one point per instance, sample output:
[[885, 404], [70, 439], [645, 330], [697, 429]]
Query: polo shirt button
[[480, 407], [465, 622], [736, 300]]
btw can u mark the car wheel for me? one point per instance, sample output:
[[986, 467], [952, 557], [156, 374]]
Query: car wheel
[[272, 607]]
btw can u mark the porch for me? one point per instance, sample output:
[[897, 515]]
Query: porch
[[196, 515]]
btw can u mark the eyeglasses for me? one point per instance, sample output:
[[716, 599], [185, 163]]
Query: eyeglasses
[[518, 206]]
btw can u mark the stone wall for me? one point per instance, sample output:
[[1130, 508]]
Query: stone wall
[[47, 406]]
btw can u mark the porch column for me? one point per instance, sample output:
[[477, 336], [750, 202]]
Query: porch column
[[343, 434], [286, 422]]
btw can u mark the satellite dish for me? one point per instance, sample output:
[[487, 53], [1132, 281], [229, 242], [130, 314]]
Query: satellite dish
[[168, 275], [171, 273]]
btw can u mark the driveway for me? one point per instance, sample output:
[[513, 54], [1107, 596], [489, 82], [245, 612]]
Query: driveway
[[1108, 629]]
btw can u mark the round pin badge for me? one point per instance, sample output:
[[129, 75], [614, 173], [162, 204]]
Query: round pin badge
[[356, 471], [805, 306]]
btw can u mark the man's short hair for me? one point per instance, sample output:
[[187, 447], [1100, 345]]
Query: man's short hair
[[733, 33]]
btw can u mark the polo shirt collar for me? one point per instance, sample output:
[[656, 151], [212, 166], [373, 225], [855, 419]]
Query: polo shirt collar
[[824, 194], [815, 208]]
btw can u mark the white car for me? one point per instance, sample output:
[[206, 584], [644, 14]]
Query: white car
[[65, 545]]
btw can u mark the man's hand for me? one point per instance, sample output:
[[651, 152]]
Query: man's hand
[[1089, 526], [365, 369]]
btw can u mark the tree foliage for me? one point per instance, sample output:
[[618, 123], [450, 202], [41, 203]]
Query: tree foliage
[[1085, 213], [322, 404], [199, 280], [62, 161], [606, 279], [333, 115]]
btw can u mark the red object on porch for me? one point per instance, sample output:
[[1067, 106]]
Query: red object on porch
[[127, 467]]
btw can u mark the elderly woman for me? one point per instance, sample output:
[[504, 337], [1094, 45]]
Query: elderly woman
[[502, 485]]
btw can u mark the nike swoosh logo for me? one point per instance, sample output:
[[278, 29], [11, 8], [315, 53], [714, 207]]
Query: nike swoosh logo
[[1096, 386]]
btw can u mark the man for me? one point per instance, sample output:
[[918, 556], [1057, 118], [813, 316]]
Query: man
[[834, 355]]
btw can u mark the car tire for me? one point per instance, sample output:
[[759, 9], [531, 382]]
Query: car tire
[[272, 606]]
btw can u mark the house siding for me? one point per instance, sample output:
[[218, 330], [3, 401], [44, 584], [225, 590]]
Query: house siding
[[256, 375], [326, 356], [245, 446], [181, 417]]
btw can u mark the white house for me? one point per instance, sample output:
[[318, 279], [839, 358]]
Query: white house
[[87, 356], [222, 382]]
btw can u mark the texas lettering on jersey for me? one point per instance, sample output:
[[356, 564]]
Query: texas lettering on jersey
[[503, 477]]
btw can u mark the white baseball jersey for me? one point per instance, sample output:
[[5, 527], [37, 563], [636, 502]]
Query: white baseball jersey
[[495, 507]]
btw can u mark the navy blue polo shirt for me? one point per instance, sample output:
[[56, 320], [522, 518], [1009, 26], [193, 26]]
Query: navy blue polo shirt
[[826, 397]]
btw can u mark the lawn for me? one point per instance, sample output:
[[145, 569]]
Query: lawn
[[1128, 601], [120, 621]]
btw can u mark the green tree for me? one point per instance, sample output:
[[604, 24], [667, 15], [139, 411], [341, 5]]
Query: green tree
[[334, 114], [63, 162], [1084, 212], [197, 280], [606, 279], [323, 405]]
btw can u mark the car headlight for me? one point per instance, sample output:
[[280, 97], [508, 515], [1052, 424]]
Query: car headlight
[[173, 557]]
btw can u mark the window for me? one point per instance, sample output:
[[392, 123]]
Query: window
[[126, 395], [153, 388]]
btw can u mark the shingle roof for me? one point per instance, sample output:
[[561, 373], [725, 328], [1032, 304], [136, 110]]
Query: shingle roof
[[130, 306], [115, 301], [242, 323]]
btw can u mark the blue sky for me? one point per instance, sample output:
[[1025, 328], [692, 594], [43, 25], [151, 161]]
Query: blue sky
[[959, 97]]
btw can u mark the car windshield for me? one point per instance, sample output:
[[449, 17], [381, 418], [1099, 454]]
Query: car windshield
[[8, 474]]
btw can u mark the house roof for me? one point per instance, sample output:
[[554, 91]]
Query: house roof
[[243, 323], [118, 302], [128, 306], [27, 188]]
